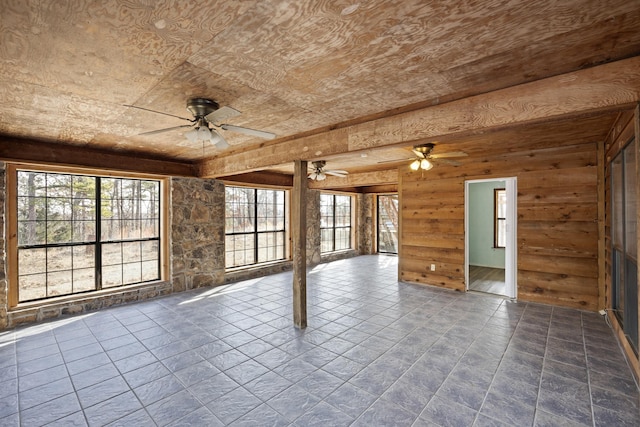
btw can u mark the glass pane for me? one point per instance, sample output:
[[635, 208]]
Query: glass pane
[[59, 283], [84, 256], [150, 250], [32, 208], [132, 272], [59, 232], [32, 233], [32, 286], [617, 191], [111, 254], [132, 229], [58, 185], [59, 259], [59, 209], [111, 230], [84, 280], [501, 203], [84, 209], [31, 261], [502, 233], [32, 184], [150, 228], [150, 270], [326, 242], [111, 276], [343, 238], [630, 201], [131, 251], [84, 231]]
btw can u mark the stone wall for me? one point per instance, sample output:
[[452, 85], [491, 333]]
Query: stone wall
[[366, 228], [313, 228], [197, 233]]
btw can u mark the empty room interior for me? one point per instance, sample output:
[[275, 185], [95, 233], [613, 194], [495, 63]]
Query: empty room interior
[[319, 213]]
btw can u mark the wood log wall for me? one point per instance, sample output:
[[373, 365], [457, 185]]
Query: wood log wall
[[557, 211]]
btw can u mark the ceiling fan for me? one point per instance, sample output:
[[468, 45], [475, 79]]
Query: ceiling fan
[[424, 158], [319, 173], [208, 117]]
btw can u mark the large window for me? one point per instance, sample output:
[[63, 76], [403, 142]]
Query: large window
[[335, 222], [254, 226], [624, 242], [79, 233]]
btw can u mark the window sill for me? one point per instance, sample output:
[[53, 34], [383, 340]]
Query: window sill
[[84, 297]]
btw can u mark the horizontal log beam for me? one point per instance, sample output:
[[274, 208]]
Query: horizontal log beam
[[357, 180], [262, 178], [604, 88], [38, 152]]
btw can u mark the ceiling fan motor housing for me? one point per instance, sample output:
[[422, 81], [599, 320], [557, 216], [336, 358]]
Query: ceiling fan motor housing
[[201, 107]]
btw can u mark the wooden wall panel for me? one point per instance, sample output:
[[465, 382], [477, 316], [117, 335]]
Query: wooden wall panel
[[557, 220]]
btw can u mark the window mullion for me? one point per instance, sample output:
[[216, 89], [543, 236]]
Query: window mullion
[[98, 236]]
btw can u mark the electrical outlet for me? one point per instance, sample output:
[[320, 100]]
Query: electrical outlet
[[602, 312], [433, 267]]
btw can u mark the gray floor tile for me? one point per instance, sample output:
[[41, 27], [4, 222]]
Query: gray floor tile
[[173, 407], [158, 389], [293, 402], [267, 386], [233, 405], [378, 351], [445, 413], [322, 415]]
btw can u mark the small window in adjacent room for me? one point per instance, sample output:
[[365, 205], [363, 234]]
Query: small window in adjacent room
[[335, 223], [79, 233], [254, 226], [500, 218]]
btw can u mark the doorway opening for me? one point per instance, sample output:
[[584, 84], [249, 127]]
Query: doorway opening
[[387, 224], [490, 249]]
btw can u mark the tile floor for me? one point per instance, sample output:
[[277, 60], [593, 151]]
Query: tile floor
[[376, 353]]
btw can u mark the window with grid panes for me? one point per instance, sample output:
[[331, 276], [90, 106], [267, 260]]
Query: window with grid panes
[[254, 226], [79, 233], [335, 223]]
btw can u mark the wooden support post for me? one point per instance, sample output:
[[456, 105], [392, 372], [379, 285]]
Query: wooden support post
[[299, 243]]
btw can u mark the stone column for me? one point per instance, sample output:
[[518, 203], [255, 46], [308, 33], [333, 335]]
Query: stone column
[[197, 233]]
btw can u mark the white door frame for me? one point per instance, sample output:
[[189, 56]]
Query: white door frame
[[511, 250]]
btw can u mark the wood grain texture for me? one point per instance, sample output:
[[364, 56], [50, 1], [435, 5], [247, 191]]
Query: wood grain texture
[[605, 88], [557, 210], [299, 244]]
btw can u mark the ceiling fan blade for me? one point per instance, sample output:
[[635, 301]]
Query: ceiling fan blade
[[451, 154], [158, 112], [221, 115], [153, 132], [396, 160], [341, 174], [247, 131], [420, 154], [448, 162]]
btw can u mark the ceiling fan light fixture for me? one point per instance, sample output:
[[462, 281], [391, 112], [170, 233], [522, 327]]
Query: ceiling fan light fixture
[[415, 165], [192, 135], [217, 140], [321, 176], [204, 134], [425, 164]]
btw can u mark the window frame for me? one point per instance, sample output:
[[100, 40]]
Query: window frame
[[333, 226], [497, 218], [256, 232], [11, 182]]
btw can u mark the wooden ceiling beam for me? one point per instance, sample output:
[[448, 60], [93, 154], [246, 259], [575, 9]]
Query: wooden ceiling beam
[[357, 180], [39, 152], [261, 178], [604, 88]]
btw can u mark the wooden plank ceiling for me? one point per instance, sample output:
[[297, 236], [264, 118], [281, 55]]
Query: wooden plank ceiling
[[294, 68]]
